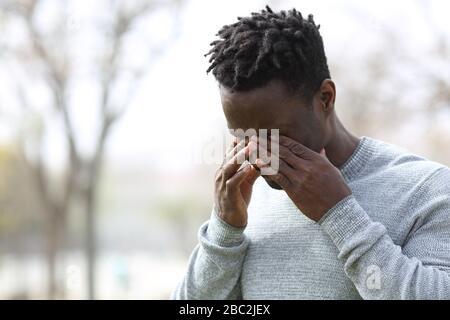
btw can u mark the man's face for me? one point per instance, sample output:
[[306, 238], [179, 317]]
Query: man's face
[[273, 107]]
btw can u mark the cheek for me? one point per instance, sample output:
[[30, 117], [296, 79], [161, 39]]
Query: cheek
[[310, 133], [316, 139]]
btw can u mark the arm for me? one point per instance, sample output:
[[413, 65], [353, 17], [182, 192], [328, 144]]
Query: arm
[[419, 270], [214, 267]]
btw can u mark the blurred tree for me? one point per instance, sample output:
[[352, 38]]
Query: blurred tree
[[42, 48], [184, 213], [20, 210], [397, 90]]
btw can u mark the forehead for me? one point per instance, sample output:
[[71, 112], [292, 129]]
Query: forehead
[[271, 106], [274, 92]]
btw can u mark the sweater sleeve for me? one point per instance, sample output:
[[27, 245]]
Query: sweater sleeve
[[381, 269], [214, 267]]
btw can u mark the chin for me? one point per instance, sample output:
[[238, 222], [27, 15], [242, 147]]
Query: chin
[[272, 184]]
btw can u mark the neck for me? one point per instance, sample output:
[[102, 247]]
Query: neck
[[341, 146]]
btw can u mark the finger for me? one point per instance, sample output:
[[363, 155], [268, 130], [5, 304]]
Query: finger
[[230, 167], [283, 167], [281, 152], [238, 146], [253, 154], [287, 170], [234, 142], [297, 148], [323, 153], [228, 150], [264, 147], [235, 181], [260, 150], [290, 158]]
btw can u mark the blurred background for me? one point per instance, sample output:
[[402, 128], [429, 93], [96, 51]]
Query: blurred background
[[105, 106]]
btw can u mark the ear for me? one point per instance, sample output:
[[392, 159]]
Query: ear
[[327, 95]]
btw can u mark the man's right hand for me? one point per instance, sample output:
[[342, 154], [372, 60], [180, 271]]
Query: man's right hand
[[233, 184]]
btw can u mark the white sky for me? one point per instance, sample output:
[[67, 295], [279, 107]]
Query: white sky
[[178, 103]]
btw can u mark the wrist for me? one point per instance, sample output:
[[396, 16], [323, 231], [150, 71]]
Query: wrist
[[326, 208], [346, 220], [234, 220], [222, 233]]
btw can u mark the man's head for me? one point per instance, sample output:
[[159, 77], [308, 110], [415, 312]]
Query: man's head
[[273, 74]]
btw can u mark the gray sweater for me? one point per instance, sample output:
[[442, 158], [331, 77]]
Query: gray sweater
[[390, 239]]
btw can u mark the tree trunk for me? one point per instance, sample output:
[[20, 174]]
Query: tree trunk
[[91, 241], [54, 240]]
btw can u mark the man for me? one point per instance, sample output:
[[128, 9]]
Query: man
[[367, 220]]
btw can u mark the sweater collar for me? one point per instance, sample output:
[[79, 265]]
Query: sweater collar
[[359, 158]]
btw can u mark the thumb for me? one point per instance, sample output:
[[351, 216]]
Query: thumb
[[236, 180], [252, 175]]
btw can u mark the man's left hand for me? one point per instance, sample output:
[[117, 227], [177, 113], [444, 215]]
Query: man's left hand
[[312, 182]]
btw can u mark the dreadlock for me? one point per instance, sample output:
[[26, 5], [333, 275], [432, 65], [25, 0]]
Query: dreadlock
[[267, 46]]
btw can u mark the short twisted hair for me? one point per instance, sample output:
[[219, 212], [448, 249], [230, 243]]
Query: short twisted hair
[[269, 45]]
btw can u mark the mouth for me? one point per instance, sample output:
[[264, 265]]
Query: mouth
[[272, 184]]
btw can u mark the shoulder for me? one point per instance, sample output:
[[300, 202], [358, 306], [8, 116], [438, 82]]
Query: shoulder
[[422, 174]]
